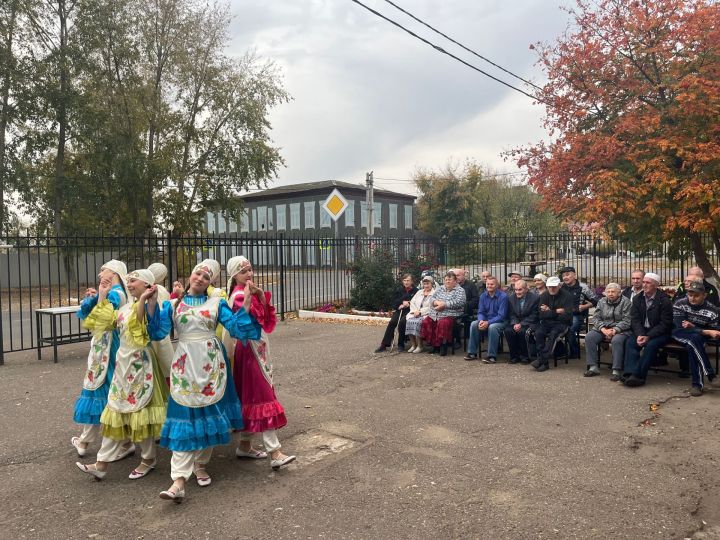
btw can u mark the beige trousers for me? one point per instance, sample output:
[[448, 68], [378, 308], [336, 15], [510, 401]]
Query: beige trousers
[[182, 463]]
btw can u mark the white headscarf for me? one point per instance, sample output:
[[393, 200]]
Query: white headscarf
[[143, 274], [118, 267], [159, 270], [212, 267], [233, 267]]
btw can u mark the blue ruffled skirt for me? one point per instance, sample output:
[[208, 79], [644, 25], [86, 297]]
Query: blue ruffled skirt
[[91, 403], [194, 428]]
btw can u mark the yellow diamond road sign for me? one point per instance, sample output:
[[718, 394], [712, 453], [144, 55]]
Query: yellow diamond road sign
[[335, 204]]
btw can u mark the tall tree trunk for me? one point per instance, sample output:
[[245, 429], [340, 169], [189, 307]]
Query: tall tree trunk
[[61, 117], [8, 66], [703, 261]]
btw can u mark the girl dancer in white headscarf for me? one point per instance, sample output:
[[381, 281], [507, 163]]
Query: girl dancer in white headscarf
[[138, 396], [101, 360], [203, 407]]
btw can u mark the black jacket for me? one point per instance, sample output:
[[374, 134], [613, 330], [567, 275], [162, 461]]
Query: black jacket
[[581, 293], [529, 314], [401, 295], [712, 293], [660, 315], [563, 299], [472, 297]]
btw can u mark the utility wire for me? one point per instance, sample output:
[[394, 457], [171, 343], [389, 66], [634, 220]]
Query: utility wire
[[461, 45], [443, 51]]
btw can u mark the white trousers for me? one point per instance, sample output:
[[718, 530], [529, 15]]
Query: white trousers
[[90, 433], [182, 463], [269, 437], [111, 448]]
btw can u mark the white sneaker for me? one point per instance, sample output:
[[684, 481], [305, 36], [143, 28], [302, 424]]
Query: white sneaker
[[411, 350], [417, 350]]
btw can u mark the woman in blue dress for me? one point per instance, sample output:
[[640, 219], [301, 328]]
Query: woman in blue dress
[[203, 407], [101, 359]]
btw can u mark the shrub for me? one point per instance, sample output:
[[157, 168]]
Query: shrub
[[416, 264], [374, 281]]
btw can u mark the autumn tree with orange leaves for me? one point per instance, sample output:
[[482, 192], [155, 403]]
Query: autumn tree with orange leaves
[[633, 115]]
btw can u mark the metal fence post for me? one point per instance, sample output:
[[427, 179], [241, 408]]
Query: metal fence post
[[594, 254], [170, 257], [281, 262], [505, 259]]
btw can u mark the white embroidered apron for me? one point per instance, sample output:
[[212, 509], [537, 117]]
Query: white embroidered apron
[[132, 383], [198, 374], [99, 356]]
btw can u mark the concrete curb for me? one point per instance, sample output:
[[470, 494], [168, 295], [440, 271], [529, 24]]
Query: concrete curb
[[307, 314]]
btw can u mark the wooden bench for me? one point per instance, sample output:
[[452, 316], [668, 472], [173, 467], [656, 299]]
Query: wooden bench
[[57, 338]]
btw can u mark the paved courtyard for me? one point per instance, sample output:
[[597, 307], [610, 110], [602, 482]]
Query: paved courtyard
[[390, 446]]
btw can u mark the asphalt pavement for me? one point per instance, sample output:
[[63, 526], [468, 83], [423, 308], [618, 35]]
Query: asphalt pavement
[[389, 446]]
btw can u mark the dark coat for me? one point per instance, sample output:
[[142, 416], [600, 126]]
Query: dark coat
[[660, 315], [472, 297], [401, 295], [529, 314], [563, 299]]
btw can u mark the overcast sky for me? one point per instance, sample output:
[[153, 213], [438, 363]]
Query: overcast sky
[[368, 96]]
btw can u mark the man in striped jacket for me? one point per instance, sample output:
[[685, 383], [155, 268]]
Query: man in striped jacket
[[695, 320]]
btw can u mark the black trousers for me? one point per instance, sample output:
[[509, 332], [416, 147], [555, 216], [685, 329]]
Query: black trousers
[[517, 341], [545, 335], [396, 321]]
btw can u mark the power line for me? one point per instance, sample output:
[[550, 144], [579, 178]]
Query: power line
[[461, 45], [443, 51]]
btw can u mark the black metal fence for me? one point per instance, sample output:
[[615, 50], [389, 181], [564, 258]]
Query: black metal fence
[[301, 271]]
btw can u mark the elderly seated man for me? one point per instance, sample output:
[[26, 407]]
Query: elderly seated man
[[447, 304], [696, 320], [696, 274], [635, 287], [611, 325], [523, 310], [491, 320], [514, 277], [651, 318], [471, 305], [555, 312], [583, 299]]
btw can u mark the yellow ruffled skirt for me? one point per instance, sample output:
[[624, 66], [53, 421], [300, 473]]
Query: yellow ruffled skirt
[[143, 424]]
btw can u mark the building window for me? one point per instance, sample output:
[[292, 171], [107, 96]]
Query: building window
[[393, 215], [325, 219], [262, 221], [222, 223], [350, 214], [244, 221], [232, 222], [211, 223], [254, 220], [377, 214], [295, 216], [281, 219], [309, 214], [408, 216], [363, 214]]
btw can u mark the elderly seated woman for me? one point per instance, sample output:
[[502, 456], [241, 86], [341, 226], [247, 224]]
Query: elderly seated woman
[[611, 325], [401, 304], [539, 280], [446, 305], [419, 308]]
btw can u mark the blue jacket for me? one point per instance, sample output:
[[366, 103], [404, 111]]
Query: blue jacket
[[493, 309]]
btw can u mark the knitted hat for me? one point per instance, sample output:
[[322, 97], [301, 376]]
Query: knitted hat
[[542, 277], [143, 274], [159, 270]]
